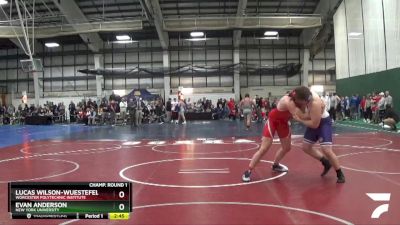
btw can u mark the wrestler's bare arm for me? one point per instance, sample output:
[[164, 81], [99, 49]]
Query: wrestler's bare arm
[[315, 115], [294, 110]]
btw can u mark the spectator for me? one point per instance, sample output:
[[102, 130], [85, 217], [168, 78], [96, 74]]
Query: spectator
[[103, 111], [232, 109], [390, 119], [368, 109], [267, 107], [86, 116], [95, 106], [139, 111], [388, 100], [159, 107], [381, 106], [22, 106], [11, 110], [353, 107], [274, 103], [259, 107], [61, 109], [326, 98], [358, 107], [72, 111], [113, 112], [122, 107], [89, 103], [189, 104], [339, 108], [363, 108], [174, 108], [131, 107], [168, 109], [333, 101], [346, 107], [92, 116], [113, 97], [246, 106], [181, 107]]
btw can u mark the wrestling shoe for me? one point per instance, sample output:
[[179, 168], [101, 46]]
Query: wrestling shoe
[[246, 176], [327, 166], [386, 127], [340, 177], [279, 168]]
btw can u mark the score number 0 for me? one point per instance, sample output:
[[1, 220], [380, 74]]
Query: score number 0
[[121, 206], [120, 216]]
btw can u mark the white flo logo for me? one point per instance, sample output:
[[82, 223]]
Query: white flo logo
[[380, 197]]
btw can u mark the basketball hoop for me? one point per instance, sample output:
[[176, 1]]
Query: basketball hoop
[[26, 21], [31, 65]]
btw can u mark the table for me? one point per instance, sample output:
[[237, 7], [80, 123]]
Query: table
[[198, 116], [38, 120]]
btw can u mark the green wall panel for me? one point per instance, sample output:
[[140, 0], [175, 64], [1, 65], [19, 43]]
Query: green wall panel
[[388, 80]]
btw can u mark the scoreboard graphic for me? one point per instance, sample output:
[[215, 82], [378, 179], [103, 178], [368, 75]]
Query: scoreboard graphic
[[72, 200]]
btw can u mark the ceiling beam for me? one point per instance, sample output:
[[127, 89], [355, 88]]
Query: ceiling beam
[[227, 23], [74, 29], [20, 42], [73, 13], [241, 12], [153, 6], [323, 8], [100, 5]]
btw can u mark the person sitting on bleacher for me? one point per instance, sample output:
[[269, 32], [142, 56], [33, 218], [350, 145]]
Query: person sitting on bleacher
[[40, 111], [11, 109], [61, 110], [11, 113], [390, 119], [72, 112], [85, 116], [92, 116], [48, 112]]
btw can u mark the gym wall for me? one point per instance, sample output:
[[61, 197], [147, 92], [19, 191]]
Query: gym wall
[[375, 82]]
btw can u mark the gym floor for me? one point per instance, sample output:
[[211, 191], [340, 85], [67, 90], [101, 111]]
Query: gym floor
[[191, 174]]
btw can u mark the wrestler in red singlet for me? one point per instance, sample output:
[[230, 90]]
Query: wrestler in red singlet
[[278, 122]]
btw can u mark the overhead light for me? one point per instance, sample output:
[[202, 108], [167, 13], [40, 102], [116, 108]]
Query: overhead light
[[197, 34], [354, 34], [124, 41], [3, 2], [123, 37], [52, 45], [197, 39], [269, 38], [271, 33]]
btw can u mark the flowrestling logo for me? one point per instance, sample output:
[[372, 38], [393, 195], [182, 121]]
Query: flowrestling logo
[[379, 197]]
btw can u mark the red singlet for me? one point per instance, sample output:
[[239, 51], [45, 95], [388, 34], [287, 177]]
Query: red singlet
[[278, 121]]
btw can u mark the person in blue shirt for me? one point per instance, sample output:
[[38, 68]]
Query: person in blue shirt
[[358, 114], [353, 107]]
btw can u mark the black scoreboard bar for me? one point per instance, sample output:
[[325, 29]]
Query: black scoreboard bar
[[69, 200]]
